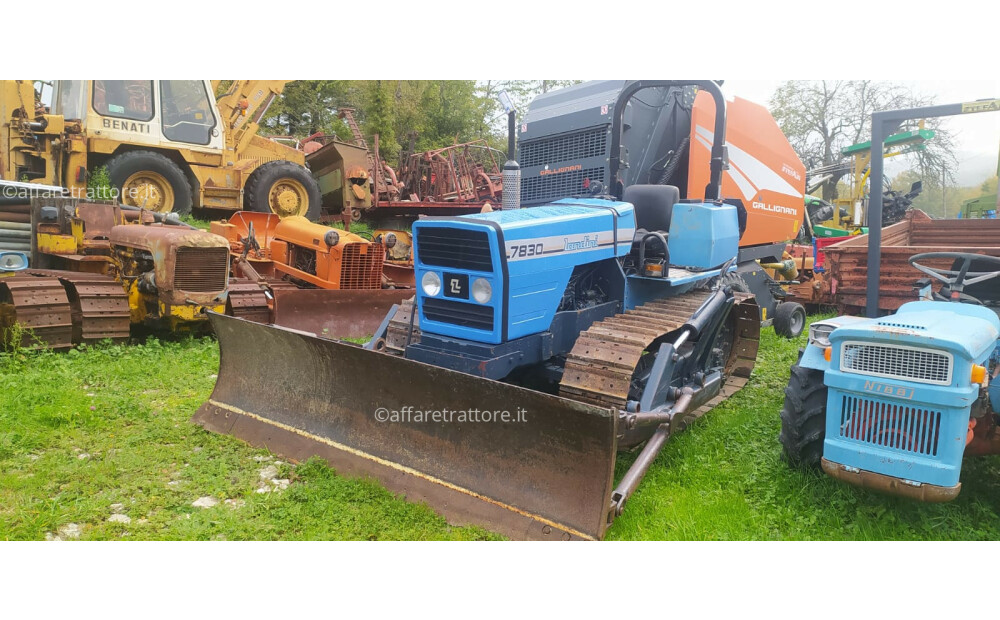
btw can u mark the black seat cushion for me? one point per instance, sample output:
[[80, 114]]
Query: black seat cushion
[[653, 205]]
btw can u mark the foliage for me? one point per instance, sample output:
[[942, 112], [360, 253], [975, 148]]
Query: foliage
[[822, 117], [310, 106], [430, 113], [99, 186]]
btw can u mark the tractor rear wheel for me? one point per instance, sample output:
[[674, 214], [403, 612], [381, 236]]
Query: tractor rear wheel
[[789, 319], [803, 418], [283, 188], [150, 180]]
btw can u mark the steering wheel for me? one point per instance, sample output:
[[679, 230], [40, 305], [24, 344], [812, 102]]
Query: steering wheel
[[958, 280]]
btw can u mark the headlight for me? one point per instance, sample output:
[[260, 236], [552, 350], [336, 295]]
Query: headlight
[[431, 284], [481, 290], [819, 334]]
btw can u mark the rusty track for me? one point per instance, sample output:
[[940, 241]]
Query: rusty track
[[599, 369], [100, 308], [40, 306], [246, 300], [97, 308]]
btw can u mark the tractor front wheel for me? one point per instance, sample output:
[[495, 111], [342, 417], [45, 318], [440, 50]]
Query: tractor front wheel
[[803, 418], [283, 188], [150, 180]]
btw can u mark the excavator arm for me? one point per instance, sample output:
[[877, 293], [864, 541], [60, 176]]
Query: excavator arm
[[243, 106]]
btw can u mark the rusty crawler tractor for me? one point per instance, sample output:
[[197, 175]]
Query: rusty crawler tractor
[[540, 342], [98, 269], [168, 145]]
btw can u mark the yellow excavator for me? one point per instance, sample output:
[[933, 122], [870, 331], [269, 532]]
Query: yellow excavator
[[168, 145]]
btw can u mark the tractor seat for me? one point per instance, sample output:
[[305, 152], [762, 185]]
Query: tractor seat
[[653, 205]]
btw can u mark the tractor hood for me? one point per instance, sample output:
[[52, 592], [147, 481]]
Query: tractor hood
[[189, 265], [158, 238], [525, 255], [966, 330]]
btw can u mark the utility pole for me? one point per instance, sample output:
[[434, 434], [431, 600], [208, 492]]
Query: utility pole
[[944, 203]]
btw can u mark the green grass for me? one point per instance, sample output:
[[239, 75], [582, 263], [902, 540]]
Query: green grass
[[128, 409]]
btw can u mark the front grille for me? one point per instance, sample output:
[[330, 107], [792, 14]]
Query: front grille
[[560, 185], [361, 266], [201, 270], [571, 147], [458, 313], [888, 425], [896, 362], [455, 248]]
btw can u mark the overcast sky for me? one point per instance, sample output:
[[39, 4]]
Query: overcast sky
[[977, 136]]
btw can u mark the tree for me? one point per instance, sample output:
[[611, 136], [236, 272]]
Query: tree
[[379, 118], [821, 118], [494, 120], [438, 112], [308, 106]]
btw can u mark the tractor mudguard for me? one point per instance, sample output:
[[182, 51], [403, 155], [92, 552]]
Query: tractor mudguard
[[546, 473], [812, 357]]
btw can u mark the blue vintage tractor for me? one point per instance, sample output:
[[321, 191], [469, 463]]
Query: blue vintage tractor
[[895, 403]]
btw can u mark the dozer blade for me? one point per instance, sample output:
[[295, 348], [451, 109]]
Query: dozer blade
[[335, 313], [547, 475]]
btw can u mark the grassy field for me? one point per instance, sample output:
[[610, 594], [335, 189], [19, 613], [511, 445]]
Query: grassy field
[[97, 444]]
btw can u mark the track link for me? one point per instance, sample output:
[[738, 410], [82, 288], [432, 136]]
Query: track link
[[40, 306], [600, 366], [100, 308], [246, 300]]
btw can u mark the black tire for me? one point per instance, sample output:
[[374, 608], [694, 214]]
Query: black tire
[[264, 178], [736, 282], [789, 319], [803, 418], [124, 165]]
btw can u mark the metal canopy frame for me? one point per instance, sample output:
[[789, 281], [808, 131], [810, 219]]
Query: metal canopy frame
[[885, 124]]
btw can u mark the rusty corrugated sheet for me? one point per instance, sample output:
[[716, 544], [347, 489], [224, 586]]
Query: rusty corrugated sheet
[[847, 262]]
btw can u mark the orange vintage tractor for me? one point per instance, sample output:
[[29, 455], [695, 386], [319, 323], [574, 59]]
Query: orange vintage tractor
[[312, 277]]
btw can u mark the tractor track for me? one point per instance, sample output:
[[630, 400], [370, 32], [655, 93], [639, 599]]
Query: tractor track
[[88, 308], [600, 367], [247, 300], [38, 305]]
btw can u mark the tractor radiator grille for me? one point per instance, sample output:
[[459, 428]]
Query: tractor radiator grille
[[201, 270], [572, 147], [458, 313], [455, 248], [361, 266], [888, 425], [896, 362], [558, 185]]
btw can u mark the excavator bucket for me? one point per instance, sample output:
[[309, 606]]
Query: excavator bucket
[[519, 462]]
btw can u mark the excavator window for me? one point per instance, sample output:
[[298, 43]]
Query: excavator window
[[69, 99], [128, 99], [187, 111]]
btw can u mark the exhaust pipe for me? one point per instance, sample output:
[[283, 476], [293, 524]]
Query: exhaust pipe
[[511, 197]]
